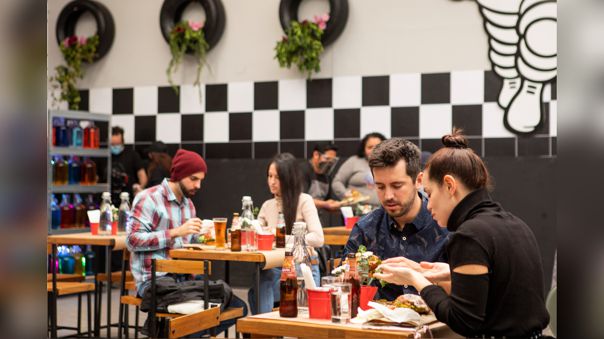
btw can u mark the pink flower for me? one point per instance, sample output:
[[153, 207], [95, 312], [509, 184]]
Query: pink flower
[[83, 40], [66, 42], [196, 26], [321, 21]]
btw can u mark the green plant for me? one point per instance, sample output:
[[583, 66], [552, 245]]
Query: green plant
[[302, 45], [75, 50], [187, 36]]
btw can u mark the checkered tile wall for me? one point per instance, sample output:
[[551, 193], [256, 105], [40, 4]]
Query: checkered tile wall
[[259, 119]]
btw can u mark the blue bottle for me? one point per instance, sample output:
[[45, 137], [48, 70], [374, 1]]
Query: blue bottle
[[89, 257], [75, 171], [77, 134], [55, 213], [68, 261]]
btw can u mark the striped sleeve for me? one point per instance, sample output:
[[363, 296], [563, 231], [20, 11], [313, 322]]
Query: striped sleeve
[[143, 236]]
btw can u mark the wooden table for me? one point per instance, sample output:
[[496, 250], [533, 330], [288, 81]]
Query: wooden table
[[271, 325], [337, 235], [111, 243], [257, 258]]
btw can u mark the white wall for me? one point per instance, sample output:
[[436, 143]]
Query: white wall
[[381, 37]]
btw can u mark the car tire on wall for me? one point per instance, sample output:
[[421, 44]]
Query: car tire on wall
[[171, 14], [338, 16], [71, 13]]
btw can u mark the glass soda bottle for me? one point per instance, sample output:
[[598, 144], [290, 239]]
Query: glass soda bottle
[[288, 284], [80, 261], [55, 212], [60, 171], [235, 234], [106, 219], [124, 212], [352, 277], [89, 172], [80, 211], [89, 255], [301, 253], [77, 135], [247, 231], [280, 231], [75, 171], [67, 212]]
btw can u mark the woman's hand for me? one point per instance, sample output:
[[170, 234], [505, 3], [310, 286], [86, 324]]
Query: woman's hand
[[403, 262], [436, 271], [402, 275]]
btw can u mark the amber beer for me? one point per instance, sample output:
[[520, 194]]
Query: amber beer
[[220, 230], [235, 234], [288, 306]]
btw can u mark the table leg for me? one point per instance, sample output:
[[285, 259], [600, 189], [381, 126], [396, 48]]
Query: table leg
[[257, 288], [53, 316], [227, 273], [108, 272]]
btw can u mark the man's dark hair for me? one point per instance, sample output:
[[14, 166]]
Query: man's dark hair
[[389, 152], [361, 149], [323, 147]]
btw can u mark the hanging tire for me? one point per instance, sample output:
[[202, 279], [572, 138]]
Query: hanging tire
[[338, 16], [71, 13], [171, 14]]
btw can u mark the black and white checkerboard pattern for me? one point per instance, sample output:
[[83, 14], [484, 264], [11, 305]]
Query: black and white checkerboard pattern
[[259, 119]]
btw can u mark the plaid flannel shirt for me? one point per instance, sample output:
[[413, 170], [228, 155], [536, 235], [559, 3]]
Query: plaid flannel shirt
[[155, 212]]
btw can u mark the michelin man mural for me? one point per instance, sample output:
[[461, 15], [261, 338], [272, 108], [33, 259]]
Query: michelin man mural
[[523, 51]]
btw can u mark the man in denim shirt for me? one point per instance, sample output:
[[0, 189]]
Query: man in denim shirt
[[402, 226]]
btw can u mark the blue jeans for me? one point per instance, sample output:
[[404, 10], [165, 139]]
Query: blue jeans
[[269, 288]]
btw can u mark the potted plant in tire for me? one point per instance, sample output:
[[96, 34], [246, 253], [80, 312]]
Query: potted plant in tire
[[187, 36], [302, 45], [75, 50]]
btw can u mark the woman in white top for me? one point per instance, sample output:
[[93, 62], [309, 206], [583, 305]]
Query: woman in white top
[[355, 173], [284, 182]]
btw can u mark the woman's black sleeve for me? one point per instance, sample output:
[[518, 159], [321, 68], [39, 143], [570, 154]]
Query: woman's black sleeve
[[464, 310]]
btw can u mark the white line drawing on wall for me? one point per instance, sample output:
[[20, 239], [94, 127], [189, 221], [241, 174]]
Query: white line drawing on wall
[[523, 52]]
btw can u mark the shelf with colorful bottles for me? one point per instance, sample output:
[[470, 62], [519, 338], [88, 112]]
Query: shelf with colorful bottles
[[78, 168]]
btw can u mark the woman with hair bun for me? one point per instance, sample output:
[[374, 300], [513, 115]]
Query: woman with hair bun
[[493, 283]]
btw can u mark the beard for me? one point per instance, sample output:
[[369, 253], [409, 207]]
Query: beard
[[405, 206], [186, 192]]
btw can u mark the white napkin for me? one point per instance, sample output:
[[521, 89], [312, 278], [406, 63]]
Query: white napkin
[[397, 315], [207, 227], [187, 307], [347, 211], [94, 216], [309, 282]]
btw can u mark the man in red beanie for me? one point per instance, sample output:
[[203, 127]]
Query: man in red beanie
[[163, 216]]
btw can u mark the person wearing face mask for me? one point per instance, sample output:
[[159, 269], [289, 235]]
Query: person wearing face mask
[[127, 168], [402, 226], [355, 174], [317, 176]]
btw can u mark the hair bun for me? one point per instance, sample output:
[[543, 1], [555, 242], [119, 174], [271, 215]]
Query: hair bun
[[455, 139]]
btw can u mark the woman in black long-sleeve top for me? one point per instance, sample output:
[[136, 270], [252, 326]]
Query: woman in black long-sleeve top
[[494, 274]]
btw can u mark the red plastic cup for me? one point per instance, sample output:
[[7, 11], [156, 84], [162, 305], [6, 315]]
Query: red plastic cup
[[94, 228], [319, 306], [367, 294], [350, 222], [265, 242], [114, 228]]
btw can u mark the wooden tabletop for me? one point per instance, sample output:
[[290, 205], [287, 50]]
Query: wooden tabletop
[[86, 238], [210, 254], [270, 324], [336, 235]]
